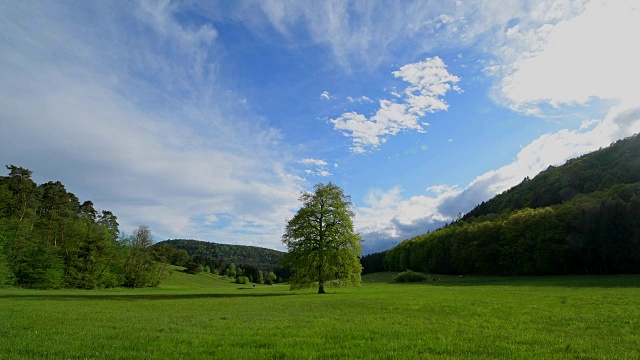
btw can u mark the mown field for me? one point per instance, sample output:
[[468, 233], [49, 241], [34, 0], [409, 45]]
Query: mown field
[[206, 317]]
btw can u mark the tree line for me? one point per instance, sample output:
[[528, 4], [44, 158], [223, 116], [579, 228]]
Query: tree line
[[202, 262], [209, 252], [49, 239], [581, 218]]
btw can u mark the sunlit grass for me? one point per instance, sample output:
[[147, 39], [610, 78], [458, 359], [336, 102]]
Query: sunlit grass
[[207, 317]]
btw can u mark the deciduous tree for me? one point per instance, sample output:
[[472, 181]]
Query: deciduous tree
[[323, 247]]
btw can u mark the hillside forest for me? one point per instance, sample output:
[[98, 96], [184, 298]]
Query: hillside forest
[[49, 239], [579, 218]]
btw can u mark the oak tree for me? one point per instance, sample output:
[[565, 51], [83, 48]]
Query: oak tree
[[322, 245]]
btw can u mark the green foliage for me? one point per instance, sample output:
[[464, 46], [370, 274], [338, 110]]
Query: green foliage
[[579, 218], [194, 268], [323, 247], [410, 276], [208, 253], [372, 263], [242, 280], [140, 268], [48, 239], [270, 278], [597, 171]]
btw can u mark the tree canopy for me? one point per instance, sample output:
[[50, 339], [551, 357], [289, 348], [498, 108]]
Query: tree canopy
[[49, 239], [579, 218], [322, 245]]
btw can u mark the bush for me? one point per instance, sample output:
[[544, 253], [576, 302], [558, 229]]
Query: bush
[[410, 276], [242, 280]]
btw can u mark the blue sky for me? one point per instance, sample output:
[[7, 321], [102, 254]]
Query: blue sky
[[206, 119]]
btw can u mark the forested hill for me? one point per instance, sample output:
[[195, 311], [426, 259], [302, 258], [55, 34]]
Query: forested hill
[[596, 171], [582, 217], [262, 258]]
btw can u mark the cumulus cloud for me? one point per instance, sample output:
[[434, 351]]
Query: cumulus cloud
[[320, 167], [429, 81], [585, 55], [387, 218]]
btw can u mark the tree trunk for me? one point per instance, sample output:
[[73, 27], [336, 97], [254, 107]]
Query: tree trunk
[[321, 287]]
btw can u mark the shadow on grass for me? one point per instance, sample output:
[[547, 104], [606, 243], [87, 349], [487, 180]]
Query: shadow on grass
[[136, 297], [570, 281]]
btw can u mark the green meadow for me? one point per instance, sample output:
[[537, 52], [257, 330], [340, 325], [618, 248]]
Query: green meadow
[[206, 317]]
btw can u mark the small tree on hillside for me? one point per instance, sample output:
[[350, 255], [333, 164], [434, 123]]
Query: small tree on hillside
[[322, 244]]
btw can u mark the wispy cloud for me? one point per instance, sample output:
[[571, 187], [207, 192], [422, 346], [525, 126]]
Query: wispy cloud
[[325, 95], [429, 81], [353, 31], [359, 100], [107, 128], [536, 65], [387, 217]]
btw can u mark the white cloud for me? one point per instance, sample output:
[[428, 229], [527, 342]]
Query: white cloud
[[316, 162], [588, 123], [325, 95], [353, 31], [159, 15], [557, 54], [387, 218], [320, 169], [429, 82], [583, 56], [210, 219], [443, 189], [359, 100], [111, 133]]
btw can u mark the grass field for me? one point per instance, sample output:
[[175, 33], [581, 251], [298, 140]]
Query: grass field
[[206, 317]]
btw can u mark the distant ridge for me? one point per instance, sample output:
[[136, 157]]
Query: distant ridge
[[262, 258], [596, 171], [582, 217]]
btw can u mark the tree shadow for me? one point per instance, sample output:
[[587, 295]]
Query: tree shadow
[[566, 281], [136, 297]]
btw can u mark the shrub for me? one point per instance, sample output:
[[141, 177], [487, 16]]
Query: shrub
[[410, 276], [242, 280]]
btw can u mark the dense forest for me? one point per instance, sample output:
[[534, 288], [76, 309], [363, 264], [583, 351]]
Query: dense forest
[[261, 258], [244, 263], [48, 239], [582, 217]]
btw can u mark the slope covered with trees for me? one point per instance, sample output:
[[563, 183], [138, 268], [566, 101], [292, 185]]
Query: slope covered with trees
[[582, 217], [243, 263], [261, 258], [49, 239], [596, 171]]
